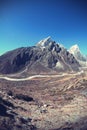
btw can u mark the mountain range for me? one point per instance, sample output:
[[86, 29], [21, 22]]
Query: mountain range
[[46, 56], [43, 87]]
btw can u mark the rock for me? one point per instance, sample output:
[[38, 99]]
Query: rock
[[25, 120], [10, 93], [7, 103], [3, 110], [24, 97]]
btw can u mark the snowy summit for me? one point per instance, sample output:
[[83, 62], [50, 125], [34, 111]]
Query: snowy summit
[[45, 42]]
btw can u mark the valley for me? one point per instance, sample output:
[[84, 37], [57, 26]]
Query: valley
[[43, 87], [45, 102]]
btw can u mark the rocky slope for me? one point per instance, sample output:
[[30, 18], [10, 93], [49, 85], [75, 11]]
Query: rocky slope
[[53, 103], [46, 57]]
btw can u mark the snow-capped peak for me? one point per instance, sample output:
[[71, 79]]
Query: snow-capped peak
[[77, 53], [45, 42], [74, 49]]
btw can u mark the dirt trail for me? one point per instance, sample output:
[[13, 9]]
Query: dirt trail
[[37, 76]]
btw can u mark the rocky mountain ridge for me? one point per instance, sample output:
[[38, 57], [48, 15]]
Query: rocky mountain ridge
[[46, 57]]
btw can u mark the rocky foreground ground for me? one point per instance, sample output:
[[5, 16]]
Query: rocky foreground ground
[[53, 103]]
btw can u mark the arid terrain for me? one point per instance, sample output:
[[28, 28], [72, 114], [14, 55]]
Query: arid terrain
[[43, 87], [43, 64], [44, 103]]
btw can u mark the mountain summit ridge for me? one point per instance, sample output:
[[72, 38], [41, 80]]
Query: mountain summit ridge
[[45, 42], [74, 48], [46, 57]]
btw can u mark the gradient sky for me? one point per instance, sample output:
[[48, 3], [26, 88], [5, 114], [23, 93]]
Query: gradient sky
[[25, 22]]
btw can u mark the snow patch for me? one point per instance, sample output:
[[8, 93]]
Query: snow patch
[[59, 65], [45, 42]]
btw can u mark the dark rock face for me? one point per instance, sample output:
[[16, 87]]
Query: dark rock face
[[43, 56], [16, 123], [23, 97], [9, 120], [7, 103], [3, 110]]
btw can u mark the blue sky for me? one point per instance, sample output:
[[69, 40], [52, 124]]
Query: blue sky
[[25, 22]]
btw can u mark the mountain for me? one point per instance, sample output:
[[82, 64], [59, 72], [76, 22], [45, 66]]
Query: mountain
[[45, 57], [82, 59]]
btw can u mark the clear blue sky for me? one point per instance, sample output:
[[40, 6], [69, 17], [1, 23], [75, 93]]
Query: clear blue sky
[[25, 22]]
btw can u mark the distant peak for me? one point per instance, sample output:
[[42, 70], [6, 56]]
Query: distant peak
[[45, 42], [76, 45], [78, 54], [74, 48]]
